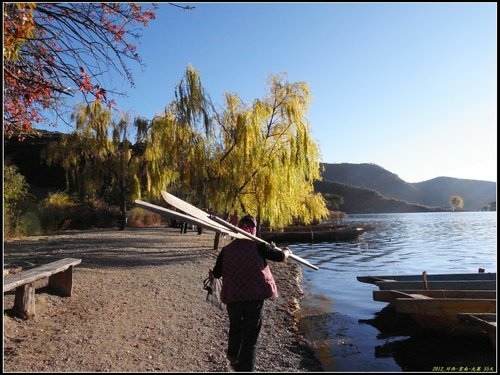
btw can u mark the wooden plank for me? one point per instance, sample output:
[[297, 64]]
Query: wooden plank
[[62, 282], [435, 285], [24, 301], [255, 238], [196, 212], [443, 314], [183, 217], [486, 322], [60, 274], [187, 207], [31, 275], [448, 307], [391, 295], [430, 277], [488, 318]]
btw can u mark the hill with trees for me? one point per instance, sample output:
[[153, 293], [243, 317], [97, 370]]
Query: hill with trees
[[355, 200], [435, 193]]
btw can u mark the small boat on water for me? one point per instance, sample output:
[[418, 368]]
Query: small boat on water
[[438, 285], [442, 314], [390, 296], [314, 234], [430, 277], [486, 322]]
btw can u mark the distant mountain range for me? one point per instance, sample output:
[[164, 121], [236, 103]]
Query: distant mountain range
[[369, 188]]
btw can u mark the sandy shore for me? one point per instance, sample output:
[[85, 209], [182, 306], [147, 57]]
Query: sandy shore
[[138, 305]]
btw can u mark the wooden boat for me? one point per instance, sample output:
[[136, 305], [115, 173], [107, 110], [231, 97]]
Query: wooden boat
[[438, 285], [430, 277], [390, 296], [484, 321], [441, 314], [314, 234]]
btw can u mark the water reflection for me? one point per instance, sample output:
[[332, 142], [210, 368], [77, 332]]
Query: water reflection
[[335, 337], [340, 314], [430, 352], [390, 324]]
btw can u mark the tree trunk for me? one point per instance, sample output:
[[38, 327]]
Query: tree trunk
[[123, 215], [123, 208]]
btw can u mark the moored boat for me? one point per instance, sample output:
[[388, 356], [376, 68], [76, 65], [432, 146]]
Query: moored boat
[[429, 277], [486, 322], [390, 296], [314, 234], [438, 285], [442, 314]]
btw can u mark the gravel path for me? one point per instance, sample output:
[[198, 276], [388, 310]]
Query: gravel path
[[138, 306]]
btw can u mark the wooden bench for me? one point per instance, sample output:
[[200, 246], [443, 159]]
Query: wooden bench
[[60, 274]]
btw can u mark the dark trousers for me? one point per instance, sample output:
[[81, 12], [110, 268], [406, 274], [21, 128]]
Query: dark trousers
[[184, 227], [245, 321]]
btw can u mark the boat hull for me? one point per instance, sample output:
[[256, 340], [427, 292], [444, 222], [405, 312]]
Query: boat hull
[[429, 277], [314, 236], [390, 296], [442, 314], [486, 322], [438, 285]]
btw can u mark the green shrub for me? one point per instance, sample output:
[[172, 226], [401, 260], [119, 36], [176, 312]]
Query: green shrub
[[60, 200], [61, 211], [90, 216], [57, 211], [29, 224], [15, 198], [15, 187], [139, 217]]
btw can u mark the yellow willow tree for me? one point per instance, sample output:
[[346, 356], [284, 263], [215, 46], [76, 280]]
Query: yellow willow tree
[[120, 161], [99, 158], [264, 160], [257, 159], [173, 156], [176, 153]]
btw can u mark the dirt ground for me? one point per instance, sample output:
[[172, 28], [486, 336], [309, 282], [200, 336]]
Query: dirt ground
[[138, 305]]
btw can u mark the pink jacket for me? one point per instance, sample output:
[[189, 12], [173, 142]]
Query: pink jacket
[[246, 275]]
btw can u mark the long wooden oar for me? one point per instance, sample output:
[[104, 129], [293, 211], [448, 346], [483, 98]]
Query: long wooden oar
[[197, 213], [255, 238], [187, 218]]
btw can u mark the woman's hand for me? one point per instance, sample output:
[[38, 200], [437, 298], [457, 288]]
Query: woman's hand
[[287, 252]]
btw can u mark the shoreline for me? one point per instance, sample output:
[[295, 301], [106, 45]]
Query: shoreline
[[138, 305]]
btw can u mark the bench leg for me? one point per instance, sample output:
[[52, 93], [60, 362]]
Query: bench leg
[[62, 282], [24, 301]]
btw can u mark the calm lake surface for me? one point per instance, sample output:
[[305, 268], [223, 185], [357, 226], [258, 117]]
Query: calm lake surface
[[338, 312]]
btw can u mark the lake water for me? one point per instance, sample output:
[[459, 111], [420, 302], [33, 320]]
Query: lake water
[[338, 313]]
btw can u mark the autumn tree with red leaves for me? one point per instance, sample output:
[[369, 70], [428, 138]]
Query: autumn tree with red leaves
[[54, 51]]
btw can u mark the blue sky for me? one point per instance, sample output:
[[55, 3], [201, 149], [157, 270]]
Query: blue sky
[[410, 87]]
